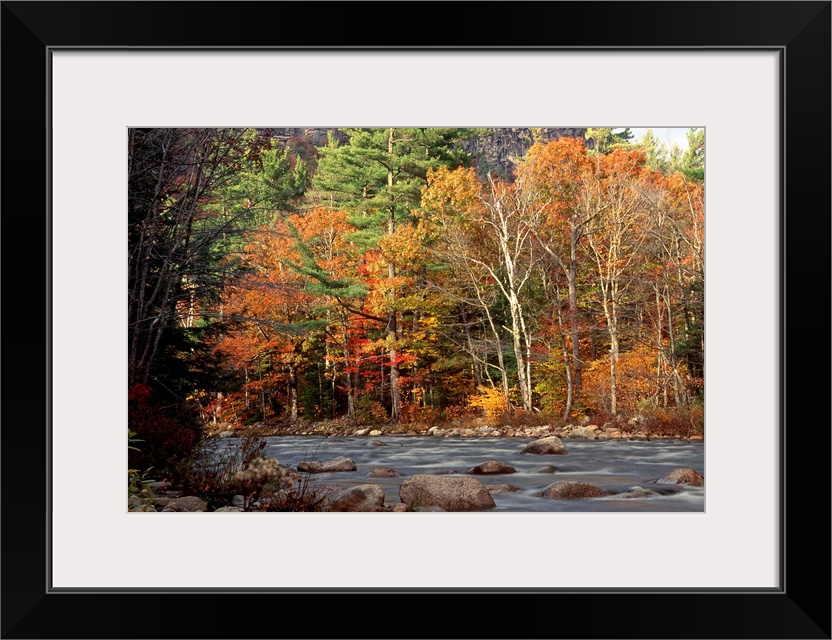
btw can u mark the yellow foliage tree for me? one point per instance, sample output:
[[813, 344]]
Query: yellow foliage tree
[[638, 381], [491, 400]]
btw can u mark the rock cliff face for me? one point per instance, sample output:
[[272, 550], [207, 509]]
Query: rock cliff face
[[499, 151], [314, 136], [496, 152]]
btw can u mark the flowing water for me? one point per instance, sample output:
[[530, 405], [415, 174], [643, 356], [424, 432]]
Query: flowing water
[[614, 465]]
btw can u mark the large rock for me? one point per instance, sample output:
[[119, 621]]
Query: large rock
[[492, 467], [586, 433], [638, 492], [134, 503], [683, 476], [383, 472], [159, 488], [460, 493], [573, 490], [364, 497], [338, 464], [545, 446], [501, 488], [186, 503]]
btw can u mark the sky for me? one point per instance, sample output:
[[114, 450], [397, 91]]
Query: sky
[[667, 135]]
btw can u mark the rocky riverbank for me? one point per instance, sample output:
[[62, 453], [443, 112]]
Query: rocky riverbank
[[634, 428]]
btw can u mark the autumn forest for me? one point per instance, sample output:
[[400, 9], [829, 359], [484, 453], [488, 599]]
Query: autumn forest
[[407, 277]]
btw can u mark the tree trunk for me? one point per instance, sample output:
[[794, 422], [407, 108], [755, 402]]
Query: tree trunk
[[475, 369], [293, 393], [392, 332], [518, 332], [347, 374], [573, 308], [613, 331], [569, 385]]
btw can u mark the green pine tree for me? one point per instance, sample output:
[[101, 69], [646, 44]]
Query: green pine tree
[[377, 177]]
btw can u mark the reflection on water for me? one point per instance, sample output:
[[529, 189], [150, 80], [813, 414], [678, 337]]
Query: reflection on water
[[613, 465]]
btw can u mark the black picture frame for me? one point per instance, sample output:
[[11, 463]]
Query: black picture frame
[[800, 608]]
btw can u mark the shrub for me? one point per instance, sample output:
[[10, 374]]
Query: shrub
[[261, 476], [306, 497], [211, 474], [137, 486], [491, 400], [418, 415], [677, 422], [138, 481], [165, 439], [369, 411]]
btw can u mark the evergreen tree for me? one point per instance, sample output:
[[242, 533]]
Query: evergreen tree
[[378, 178], [656, 151], [692, 163]]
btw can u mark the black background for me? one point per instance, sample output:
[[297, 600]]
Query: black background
[[800, 609]]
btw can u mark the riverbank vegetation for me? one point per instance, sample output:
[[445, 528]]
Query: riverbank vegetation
[[408, 278]]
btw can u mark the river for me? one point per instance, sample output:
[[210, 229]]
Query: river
[[614, 465]]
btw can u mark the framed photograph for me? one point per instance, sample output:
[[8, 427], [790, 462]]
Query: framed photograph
[[751, 562]]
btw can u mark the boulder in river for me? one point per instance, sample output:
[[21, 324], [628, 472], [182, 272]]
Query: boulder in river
[[363, 497], [682, 475], [492, 467], [573, 490], [457, 493], [338, 464], [545, 446], [638, 492], [501, 488], [383, 472]]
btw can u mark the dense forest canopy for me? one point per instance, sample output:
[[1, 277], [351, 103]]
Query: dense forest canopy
[[410, 275]]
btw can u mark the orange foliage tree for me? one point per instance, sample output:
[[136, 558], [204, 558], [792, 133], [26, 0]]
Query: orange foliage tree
[[288, 298], [561, 177]]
